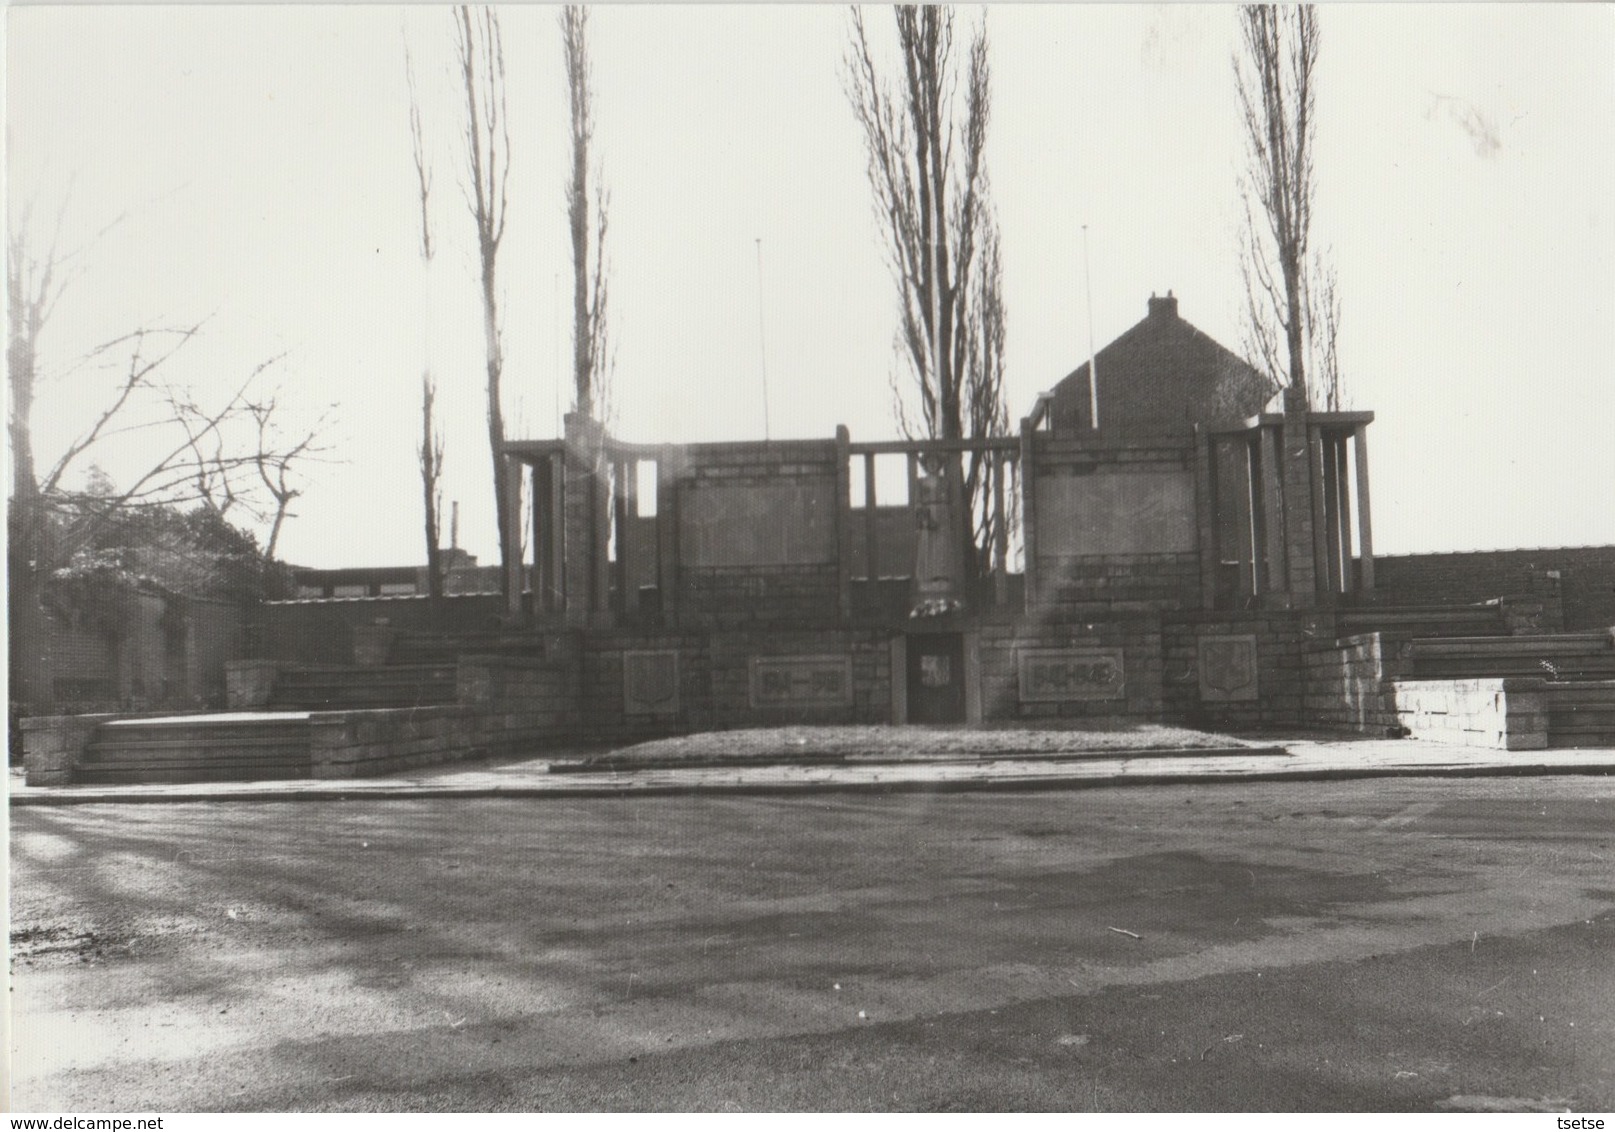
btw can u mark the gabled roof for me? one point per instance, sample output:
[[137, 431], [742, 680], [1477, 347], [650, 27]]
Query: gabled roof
[[1160, 379]]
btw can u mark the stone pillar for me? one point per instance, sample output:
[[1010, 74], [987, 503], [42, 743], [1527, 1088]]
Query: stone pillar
[[1334, 506], [667, 535], [583, 519], [1278, 566], [1028, 513], [871, 536], [54, 745], [248, 684], [1300, 528], [1365, 525], [843, 521], [627, 513], [1207, 515], [1260, 580]]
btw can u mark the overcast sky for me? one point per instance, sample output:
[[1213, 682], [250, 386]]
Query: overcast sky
[[261, 160]]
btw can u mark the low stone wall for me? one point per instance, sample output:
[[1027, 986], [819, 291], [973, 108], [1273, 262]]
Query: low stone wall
[[1348, 684], [53, 745], [506, 704], [321, 630], [357, 744], [1502, 713], [522, 693]]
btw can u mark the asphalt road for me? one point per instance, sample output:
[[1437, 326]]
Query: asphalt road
[[1392, 945]]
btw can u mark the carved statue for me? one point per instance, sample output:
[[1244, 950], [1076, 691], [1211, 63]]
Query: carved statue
[[936, 569]]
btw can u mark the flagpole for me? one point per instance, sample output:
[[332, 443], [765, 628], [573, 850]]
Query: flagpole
[[1093, 361], [762, 342]]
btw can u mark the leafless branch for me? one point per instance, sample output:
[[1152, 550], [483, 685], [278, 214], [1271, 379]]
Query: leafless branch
[[481, 53], [590, 368], [1289, 332], [925, 135]]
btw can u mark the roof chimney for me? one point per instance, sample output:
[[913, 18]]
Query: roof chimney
[[1163, 308]]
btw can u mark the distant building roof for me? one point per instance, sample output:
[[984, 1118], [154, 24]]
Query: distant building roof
[[1160, 379]]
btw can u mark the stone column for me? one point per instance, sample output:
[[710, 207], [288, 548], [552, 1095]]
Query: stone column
[[1207, 516], [1302, 501], [667, 535], [843, 522], [54, 745], [583, 520], [511, 469], [1028, 512], [1278, 566], [1365, 526]]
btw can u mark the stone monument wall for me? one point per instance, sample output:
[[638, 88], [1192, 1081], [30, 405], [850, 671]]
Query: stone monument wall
[[1240, 669], [758, 535], [1104, 672], [1115, 528]]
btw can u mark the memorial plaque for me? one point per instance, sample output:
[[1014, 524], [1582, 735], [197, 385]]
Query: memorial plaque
[[1227, 669], [1116, 513], [801, 681], [650, 683], [1065, 675], [782, 524]]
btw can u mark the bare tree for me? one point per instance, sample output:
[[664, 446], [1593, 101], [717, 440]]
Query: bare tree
[[590, 365], [1292, 305], [486, 135], [280, 459], [202, 447], [429, 457], [431, 464], [925, 137]]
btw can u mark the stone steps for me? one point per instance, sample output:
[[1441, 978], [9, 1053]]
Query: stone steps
[[198, 749], [1559, 656], [446, 648], [1444, 621], [1580, 713]]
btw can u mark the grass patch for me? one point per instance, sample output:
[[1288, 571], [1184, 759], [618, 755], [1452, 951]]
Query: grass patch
[[773, 744]]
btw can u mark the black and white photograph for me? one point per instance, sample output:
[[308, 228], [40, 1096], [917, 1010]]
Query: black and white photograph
[[639, 558]]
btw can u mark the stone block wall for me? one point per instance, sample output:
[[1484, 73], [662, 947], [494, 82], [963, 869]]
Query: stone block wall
[[1075, 588], [797, 660], [603, 709], [320, 630], [1138, 640], [1116, 529], [1282, 639], [746, 597], [1575, 585], [506, 705], [166, 651], [1348, 684], [759, 534], [714, 673], [1502, 713], [53, 745]]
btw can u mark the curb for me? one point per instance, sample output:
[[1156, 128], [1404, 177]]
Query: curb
[[630, 788], [866, 758]]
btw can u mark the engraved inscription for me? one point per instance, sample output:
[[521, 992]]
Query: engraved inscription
[[801, 681], [1061, 675]]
